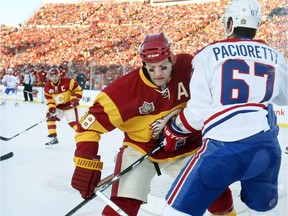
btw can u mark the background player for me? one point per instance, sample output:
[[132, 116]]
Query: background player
[[139, 104], [11, 83], [62, 94], [232, 87]]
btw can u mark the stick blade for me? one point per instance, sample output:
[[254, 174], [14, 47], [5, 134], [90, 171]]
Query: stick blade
[[4, 138], [6, 156]]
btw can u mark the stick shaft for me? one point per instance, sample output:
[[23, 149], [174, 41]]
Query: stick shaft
[[106, 184], [9, 138]]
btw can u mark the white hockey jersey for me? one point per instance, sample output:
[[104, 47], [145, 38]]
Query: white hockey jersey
[[233, 82], [11, 81]]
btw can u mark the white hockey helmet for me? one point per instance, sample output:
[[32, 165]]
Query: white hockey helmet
[[244, 13], [10, 71]]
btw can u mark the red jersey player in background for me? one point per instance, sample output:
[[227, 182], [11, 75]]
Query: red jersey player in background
[[63, 73], [41, 77], [62, 94], [139, 104]]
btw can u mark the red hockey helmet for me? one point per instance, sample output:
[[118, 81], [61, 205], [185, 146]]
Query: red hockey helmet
[[54, 71], [155, 48]]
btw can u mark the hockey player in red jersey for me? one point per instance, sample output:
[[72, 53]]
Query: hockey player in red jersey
[[139, 104], [62, 94], [42, 76], [234, 83]]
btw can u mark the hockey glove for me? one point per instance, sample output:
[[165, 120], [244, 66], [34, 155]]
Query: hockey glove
[[74, 102], [173, 137], [50, 114], [87, 174]]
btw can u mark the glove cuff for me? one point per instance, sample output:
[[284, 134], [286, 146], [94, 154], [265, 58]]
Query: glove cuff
[[176, 129], [88, 164]]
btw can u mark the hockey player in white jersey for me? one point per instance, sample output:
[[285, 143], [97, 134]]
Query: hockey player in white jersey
[[234, 83], [11, 83]]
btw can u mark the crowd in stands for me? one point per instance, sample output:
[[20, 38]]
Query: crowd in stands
[[102, 39]]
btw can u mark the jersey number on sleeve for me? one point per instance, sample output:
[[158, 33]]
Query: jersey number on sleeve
[[240, 86]]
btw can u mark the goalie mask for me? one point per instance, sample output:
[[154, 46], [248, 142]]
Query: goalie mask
[[244, 13], [155, 48]]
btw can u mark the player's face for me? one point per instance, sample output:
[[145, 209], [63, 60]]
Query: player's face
[[159, 72], [54, 78]]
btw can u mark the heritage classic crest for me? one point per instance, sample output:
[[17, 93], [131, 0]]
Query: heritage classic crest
[[146, 108]]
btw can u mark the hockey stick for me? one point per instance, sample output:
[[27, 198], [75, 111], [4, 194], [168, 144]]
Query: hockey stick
[[106, 184], [9, 138], [6, 156], [111, 203], [31, 92]]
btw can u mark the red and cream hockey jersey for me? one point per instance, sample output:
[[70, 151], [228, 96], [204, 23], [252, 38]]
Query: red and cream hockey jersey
[[59, 96], [140, 109]]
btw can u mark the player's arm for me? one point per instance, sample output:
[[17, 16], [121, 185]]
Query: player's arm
[[49, 101], [282, 98], [88, 165], [175, 132], [76, 93], [51, 106], [94, 122], [190, 119], [4, 80]]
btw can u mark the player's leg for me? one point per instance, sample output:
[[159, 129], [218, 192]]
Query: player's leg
[[14, 92], [129, 206], [203, 180], [132, 190], [52, 128], [168, 210], [72, 117], [25, 92], [260, 193], [260, 181], [30, 93], [222, 206], [52, 133], [5, 95]]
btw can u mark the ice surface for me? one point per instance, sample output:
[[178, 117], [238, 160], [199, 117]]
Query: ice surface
[[36, 181]]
